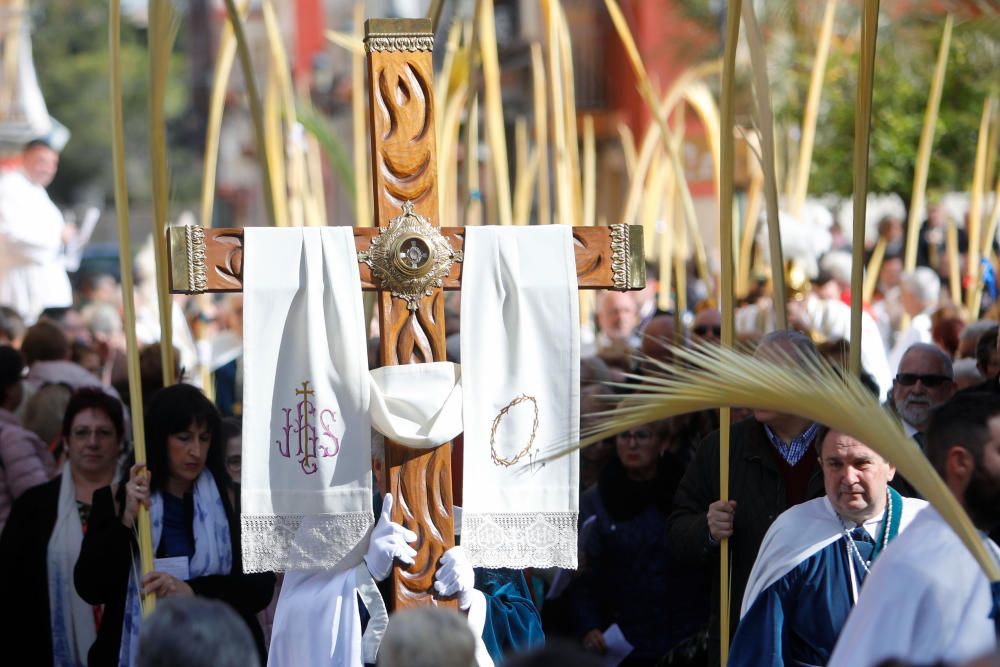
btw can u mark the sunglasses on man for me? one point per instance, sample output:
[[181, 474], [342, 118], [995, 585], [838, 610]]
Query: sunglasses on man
[[703, 329], [928, 380]]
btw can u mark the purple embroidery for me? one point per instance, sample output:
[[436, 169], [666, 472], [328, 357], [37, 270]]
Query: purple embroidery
[[302, 429]]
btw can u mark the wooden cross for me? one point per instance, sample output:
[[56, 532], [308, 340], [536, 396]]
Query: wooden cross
[[401, 100]]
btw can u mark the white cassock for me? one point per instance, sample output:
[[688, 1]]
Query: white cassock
[[32, 273], [926, 600]]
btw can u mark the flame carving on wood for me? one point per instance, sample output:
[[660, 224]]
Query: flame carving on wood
[[403, 169], [403, 143]]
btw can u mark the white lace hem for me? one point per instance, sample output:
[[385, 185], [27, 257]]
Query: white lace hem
[[275, 543], [542, 539]]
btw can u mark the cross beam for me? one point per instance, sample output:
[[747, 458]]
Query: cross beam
[[211, 259], [404, 166]]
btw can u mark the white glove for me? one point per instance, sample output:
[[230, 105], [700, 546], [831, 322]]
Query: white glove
[[456, 577], [388, 541]]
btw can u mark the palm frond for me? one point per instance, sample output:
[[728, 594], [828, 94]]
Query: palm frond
[[710, 377]]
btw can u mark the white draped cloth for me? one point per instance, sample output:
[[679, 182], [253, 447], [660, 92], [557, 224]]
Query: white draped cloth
[[925, 601], [306, 482], [520, 376], [32, 273], [798, 533]]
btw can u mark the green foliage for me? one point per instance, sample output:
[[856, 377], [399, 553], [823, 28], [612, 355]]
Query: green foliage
[[70, 42], [907, 49], [903, 74]]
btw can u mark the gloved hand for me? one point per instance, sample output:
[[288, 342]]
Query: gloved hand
[[388, 541], [456, 577]]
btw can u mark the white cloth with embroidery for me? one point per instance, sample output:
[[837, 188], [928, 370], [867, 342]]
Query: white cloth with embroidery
[[306, 490], [521, 386]]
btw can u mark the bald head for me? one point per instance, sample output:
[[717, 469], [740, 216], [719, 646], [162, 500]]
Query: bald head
[[657, 338]]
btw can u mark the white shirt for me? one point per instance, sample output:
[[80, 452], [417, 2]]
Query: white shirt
[[926, 600], [32, 274]]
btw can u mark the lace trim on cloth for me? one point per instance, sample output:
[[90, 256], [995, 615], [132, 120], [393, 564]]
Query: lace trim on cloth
[[545, 539], [275, 543]]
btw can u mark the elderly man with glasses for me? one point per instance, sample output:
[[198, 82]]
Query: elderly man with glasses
[[924, 381]]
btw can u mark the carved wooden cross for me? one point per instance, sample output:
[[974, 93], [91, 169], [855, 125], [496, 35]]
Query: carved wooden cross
[[404, 165]]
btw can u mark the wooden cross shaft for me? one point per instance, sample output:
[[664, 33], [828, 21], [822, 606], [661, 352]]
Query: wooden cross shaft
[[404, 166]]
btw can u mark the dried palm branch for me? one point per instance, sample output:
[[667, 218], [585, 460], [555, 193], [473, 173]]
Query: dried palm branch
[[652, 204], [569, 112], [224, 59], [474, 198], [289, 131], [145, 537], [681, 252], [448, 131], [751, 218], [353, 43], [698, 95], [812, 108], [539, 94], [589, 172], [978, 247], [274, 148], [924, 149], [765, 122], [493, 111], [726, 186], [560, 142], [874, 268], [709, 376], [253, 99], [163, 24], [660, 116], [450, 98], [362, 187], [954, 265], [862, 137], [628, 148], [991, 226], [666, 250]]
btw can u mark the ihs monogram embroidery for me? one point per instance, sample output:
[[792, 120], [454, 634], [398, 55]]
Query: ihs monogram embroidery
[[311, 428]]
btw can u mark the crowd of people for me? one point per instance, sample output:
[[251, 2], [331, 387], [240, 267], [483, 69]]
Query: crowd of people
[[808, 512]]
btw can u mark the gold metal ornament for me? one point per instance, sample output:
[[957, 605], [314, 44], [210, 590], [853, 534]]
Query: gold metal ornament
[[410, 257]]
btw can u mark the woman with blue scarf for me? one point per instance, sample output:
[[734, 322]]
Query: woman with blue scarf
[[196, 530]]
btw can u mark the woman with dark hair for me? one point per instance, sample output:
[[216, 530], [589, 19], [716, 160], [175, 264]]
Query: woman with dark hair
[[196, 529], [41, 542]]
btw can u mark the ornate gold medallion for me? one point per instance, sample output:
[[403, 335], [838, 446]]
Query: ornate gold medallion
[[410, 257]]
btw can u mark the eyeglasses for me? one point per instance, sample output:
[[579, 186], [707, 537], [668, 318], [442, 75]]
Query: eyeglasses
[[86, 433], [235, 461], [641, 437], [703, 329], [930, 380]]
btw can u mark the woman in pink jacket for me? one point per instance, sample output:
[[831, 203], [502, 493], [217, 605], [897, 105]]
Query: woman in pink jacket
[[24, 460]]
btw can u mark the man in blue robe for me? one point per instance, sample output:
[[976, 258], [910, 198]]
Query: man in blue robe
[[815, 557]]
